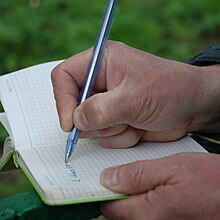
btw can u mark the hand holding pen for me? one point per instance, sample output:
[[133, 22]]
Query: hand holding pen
[[92, 70]]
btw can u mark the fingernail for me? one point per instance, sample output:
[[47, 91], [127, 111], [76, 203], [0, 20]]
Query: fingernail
[[81, 121], [109, 177]]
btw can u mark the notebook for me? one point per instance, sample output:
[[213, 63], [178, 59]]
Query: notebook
[[37, 143]]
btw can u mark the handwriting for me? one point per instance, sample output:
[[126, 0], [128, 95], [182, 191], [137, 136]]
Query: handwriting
[[72, 173]]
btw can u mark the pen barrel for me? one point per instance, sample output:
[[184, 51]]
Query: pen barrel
[[93, 69], [98, 50], [72, 139]]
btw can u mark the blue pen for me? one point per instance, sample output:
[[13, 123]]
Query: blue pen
[[92, 70]]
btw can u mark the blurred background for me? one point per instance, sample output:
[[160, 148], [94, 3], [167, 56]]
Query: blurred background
[[36, 31]]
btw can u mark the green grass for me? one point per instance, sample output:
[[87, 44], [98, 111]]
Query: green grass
[[35, 31]]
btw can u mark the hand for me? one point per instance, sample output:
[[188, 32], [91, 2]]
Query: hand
[[137, 96], [180, 187]]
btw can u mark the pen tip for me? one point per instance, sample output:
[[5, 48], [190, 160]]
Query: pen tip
[[66, 159]]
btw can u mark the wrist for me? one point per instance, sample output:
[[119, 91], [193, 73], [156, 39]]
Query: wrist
[[207, 116]]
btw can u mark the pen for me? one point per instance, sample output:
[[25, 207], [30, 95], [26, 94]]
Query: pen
[[92, 70]]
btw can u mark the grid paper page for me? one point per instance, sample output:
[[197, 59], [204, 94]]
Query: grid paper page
[[79, 179], [30, 106]]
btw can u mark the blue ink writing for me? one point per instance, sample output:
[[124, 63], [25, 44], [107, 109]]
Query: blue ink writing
[[72, 172]]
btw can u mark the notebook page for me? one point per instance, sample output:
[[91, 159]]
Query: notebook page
[[10, 103], [78, 180], [28, 100]]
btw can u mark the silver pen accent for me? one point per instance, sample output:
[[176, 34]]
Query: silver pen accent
[[92, 70]]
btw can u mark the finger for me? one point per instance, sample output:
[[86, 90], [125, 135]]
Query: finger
[[67, 79], [167, 135], [129, 208], [106, 132], [72, 68], [127, 138], [65, 100], [143, 206], [103, 110], [140, 176]]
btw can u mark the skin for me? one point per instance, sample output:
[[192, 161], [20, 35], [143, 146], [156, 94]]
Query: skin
[[139, 96], [178, 187]]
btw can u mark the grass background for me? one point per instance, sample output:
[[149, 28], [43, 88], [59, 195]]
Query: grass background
[[36, 31]]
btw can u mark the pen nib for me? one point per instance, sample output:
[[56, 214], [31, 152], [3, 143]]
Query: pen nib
[[66, 158], [70, 147]]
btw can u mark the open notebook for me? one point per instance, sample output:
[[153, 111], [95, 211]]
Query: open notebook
[[38, 143]]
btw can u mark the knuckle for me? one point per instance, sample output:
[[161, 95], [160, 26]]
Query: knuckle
[[183, 162], [115, 49], [55, 71], [136, 174], [115, 44]]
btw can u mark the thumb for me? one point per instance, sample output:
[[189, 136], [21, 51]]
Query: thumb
[[100, 111], [137, 177]]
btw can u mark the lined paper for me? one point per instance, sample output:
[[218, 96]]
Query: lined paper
[[55, 179]]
